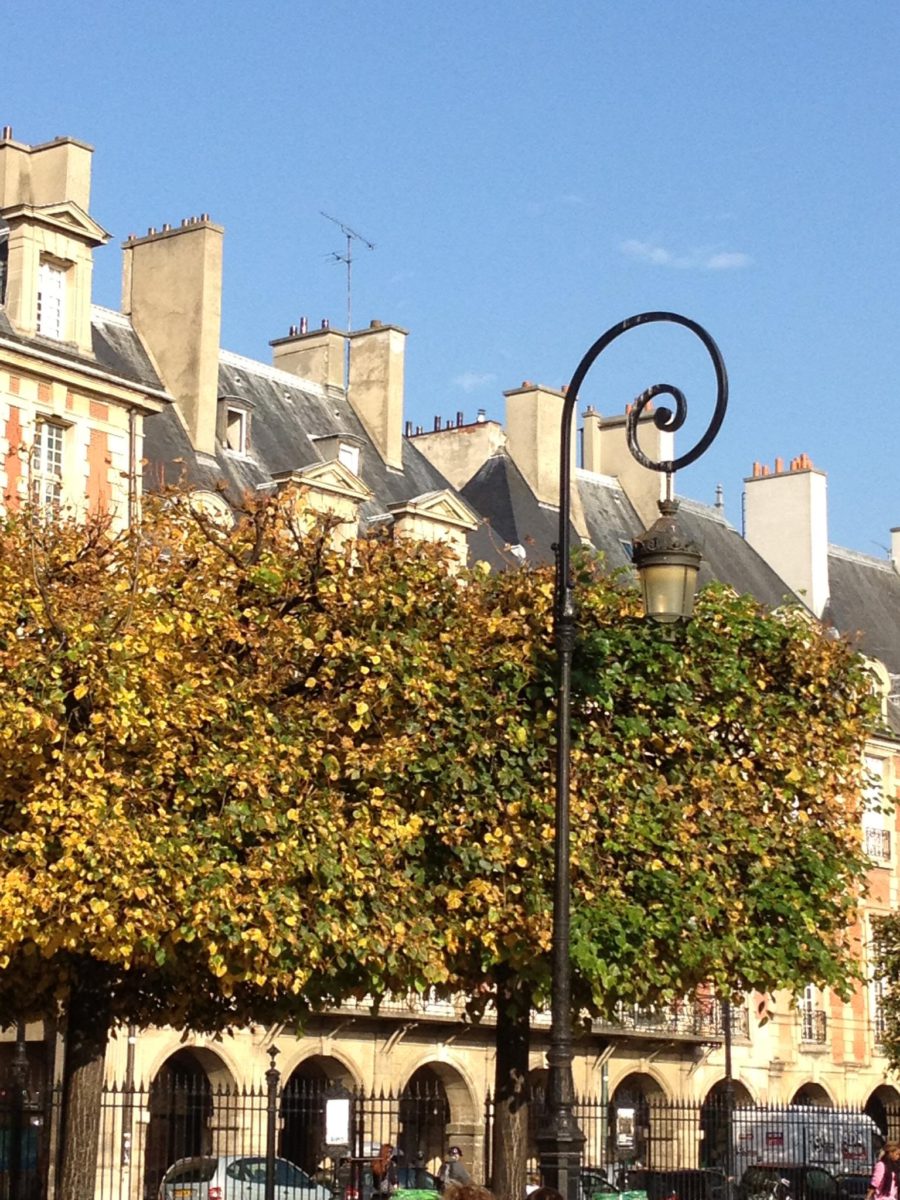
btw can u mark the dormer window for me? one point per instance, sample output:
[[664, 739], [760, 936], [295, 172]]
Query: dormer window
[[349, 456], [233, 424], [51, 300], [345, 448], [236, 422]]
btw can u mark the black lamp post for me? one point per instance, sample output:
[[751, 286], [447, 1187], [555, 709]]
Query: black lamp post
[[667, 565]]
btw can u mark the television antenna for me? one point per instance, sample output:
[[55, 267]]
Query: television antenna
[[347, 258]]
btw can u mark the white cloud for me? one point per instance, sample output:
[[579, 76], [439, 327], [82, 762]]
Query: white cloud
[[696, 260], [473, 381], [727, 261]]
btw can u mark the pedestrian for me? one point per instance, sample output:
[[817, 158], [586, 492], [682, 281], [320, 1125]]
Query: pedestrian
[[453, 1173], [384, 1171], [884, 1178]]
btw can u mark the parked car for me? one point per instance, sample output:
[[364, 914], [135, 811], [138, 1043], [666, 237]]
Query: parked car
[[796, 1181], [236, 1177], [686, 1184]]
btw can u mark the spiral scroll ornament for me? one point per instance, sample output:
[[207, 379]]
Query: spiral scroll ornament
[[665, 418]]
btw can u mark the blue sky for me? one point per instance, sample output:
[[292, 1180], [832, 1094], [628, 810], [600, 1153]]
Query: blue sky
[[530, 173]]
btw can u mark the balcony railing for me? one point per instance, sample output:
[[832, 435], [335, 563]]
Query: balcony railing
[[878, 844], [813, 1026], [686, 1018], [698, 1018]]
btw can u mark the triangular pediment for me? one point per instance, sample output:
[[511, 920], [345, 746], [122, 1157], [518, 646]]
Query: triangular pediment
[[331, 476], [444, 507], [67, 217]]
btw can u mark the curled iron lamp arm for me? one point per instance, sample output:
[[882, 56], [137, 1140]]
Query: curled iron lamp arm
[[560, 1139]]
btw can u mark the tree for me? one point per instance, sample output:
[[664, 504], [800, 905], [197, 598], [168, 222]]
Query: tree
[[192, 829], [249, 772], [716, 810]]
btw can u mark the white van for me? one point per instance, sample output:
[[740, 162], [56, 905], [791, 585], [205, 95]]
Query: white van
[[840, 1141]]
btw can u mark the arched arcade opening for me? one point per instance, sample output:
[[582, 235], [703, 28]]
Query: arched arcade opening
[[303, 1135], [883, 1106], [718, 1116], [640, 1127], [181, 1108]]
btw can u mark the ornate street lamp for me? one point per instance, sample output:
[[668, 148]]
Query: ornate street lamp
[[667, 564]]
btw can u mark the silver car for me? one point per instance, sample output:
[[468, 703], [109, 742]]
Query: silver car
[[236, 1177]]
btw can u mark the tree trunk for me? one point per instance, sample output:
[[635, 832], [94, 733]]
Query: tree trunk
[[511, 1090], [87, 1033]]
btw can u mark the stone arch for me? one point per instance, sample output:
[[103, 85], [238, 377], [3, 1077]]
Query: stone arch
[[307, 1089], [883, 1106], [715, 1119], [437, 1109], [813, 1095], [182, 1110], [637, 1135]]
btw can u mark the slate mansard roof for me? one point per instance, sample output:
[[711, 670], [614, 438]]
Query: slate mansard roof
[[289, 417], [117, 349], [499, 491]]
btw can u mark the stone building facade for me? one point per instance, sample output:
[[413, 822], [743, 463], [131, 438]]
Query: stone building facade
[[98, 406]]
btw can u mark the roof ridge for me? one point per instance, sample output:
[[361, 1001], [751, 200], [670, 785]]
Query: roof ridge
[[883, 564], [229, 358], [704, 510], [112, 315]]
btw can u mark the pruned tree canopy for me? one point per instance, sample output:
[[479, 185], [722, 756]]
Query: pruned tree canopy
[[248, 772]]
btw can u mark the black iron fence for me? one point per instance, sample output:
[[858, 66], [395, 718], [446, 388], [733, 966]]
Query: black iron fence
[[628, 1135], [332, 1134]]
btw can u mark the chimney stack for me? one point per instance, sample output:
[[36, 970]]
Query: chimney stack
[[786, 522], [172, 290], [605, 452], [376, 386], [317, 356]]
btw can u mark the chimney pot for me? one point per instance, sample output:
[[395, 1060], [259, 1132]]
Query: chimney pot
[[437, 424], [779, 466], [482, 416], [7, 133], [459, 418], [374, 324], [304, 325], [408, 428], [326, 324], [151, 231]]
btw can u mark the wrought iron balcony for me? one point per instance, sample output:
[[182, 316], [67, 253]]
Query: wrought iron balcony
[[813, 1026], [878, 844], [700, 1019]]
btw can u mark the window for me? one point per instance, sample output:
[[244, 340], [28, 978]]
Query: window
[[51, 300], [812, 1016], [349, 456], [47, 464], [236, 421], [876, 835]]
